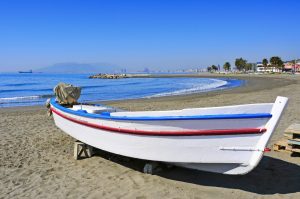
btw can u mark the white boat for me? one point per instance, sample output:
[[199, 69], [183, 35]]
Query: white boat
[[228, 140]]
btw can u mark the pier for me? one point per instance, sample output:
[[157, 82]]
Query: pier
[[108, 76]]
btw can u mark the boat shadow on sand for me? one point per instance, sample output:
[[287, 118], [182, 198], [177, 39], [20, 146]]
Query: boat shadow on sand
[[271, 176]]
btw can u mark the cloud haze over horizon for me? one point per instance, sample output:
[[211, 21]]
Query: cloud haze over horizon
[[138, 34]]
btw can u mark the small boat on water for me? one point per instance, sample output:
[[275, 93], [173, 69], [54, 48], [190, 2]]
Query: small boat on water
[[228, 139], [30, 71]]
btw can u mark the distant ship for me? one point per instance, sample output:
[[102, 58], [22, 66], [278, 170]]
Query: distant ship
[[30, 71]]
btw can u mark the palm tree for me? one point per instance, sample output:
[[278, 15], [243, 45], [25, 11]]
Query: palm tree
[[276, 62], [209, 69], [265, 63], [240, 64], [227, 66], [214, 67]]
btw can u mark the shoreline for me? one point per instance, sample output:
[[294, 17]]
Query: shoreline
[[251, 83], [36, 160], [41, 98]]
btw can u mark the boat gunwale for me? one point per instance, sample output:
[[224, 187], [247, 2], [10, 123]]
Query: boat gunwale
[[158, 118], [202, 132]]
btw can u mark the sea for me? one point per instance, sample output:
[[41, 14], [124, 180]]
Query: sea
[[30, 89]]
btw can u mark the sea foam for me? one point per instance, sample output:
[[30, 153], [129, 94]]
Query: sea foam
[[216, 83], [9, 99]]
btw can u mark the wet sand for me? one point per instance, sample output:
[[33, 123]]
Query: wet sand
[[36, 158]]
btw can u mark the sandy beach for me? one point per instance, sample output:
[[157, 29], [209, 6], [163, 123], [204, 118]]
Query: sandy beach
[[36, 158]]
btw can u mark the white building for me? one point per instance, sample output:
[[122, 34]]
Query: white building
[[260, 68], [268, 69]]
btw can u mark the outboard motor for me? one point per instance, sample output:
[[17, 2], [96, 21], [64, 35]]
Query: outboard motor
[[66, 94]]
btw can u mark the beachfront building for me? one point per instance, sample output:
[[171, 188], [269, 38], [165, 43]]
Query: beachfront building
[[269, 69], [292, 66]]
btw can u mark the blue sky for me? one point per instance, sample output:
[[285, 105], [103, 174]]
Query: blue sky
[[138, 34]]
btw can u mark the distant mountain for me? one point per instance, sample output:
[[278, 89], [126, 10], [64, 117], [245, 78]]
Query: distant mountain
[[79, 68]]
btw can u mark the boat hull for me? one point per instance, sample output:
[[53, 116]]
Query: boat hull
[[226, 153]]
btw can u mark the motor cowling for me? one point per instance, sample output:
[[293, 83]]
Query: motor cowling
[[67, 94]]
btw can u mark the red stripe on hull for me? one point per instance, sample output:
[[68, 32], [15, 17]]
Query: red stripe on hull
[[165, 133]]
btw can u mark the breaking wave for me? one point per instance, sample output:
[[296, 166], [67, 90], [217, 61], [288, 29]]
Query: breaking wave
[[23, 98], [197, 88], [9, 99]]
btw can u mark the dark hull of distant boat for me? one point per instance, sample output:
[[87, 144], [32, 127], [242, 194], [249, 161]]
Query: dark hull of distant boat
[[25, 71]]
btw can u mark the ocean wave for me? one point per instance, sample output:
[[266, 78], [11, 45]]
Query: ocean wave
[[130, 83], [199, 88], [106, 85], [97, 86], [22, 90], [21, 98], [47, 96], [21, 84]]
